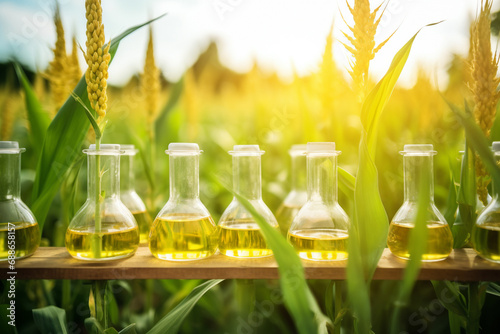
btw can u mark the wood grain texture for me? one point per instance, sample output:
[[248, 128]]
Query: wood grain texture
[[56, 263]]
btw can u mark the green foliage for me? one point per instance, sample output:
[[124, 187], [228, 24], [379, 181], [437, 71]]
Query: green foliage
[[368, 234], [50, 319], [347, 183], [171, 323], [173, 99], [468, 314], [38, 118], [451, 202], [63, 142]]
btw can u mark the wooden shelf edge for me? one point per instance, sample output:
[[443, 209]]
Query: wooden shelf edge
[[56, 263]]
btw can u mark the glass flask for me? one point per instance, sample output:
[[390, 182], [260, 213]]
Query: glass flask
[[184, 229], [417, 164], [298, 194], [19, 231], [320, 229], [486, 230], [128, 194], [115, 234], [240, 235]]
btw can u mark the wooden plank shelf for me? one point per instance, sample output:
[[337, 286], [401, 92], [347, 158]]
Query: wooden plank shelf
[[56, 263]]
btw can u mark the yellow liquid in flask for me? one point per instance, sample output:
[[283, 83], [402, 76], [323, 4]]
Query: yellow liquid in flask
[[243, 238], [115, 242], [26, 239], [320, 244], [439, 240], [486, 240], [183, 237]]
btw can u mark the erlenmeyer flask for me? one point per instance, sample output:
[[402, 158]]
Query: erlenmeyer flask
[[19, 231], [115, 234], [320, 229], [240, 235], [184, 229], [417, 161]]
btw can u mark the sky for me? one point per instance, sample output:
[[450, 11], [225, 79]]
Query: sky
[[281, 36]]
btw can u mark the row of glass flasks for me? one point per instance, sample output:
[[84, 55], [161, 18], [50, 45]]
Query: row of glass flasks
[[312, 220]]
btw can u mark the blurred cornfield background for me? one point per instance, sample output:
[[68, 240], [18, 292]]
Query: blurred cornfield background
[[218, 108]]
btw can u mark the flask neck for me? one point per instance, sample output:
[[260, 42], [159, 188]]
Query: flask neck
[[247, 176], [109, 175], [184, 176], [322, 178], [127, 176], [298, 172], [417, 168], [10, 180]]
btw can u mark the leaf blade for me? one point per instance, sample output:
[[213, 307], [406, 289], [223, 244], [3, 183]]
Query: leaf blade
[[171, 323], [50, 319]]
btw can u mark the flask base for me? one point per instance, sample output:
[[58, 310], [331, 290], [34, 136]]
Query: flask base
[[247, 253], [103, 259], [407, 258], [182, 257]]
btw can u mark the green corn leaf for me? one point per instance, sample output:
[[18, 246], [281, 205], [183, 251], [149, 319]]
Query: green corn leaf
[[459, 233], [296, 294], [130, 329], [93, 326], [462, 227], [38, 118], [329, 300], [368, 233], [63, 141], [50, 319], [174, 97], [493, 289], [451, 203], [68, 196], [171, 323], [371, 220], [455, 323], [467, 190], [347, 183], [474, 312], [112, 307], [110, 330], [376, 101], [450, 296]]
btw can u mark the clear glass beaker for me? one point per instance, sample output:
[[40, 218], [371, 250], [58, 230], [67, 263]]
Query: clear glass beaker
[[486, 231], [240, 235], [297, 196], [128, 194], [320, 230], [418, 164], [115, 234], [184, 229], [19, 230]]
